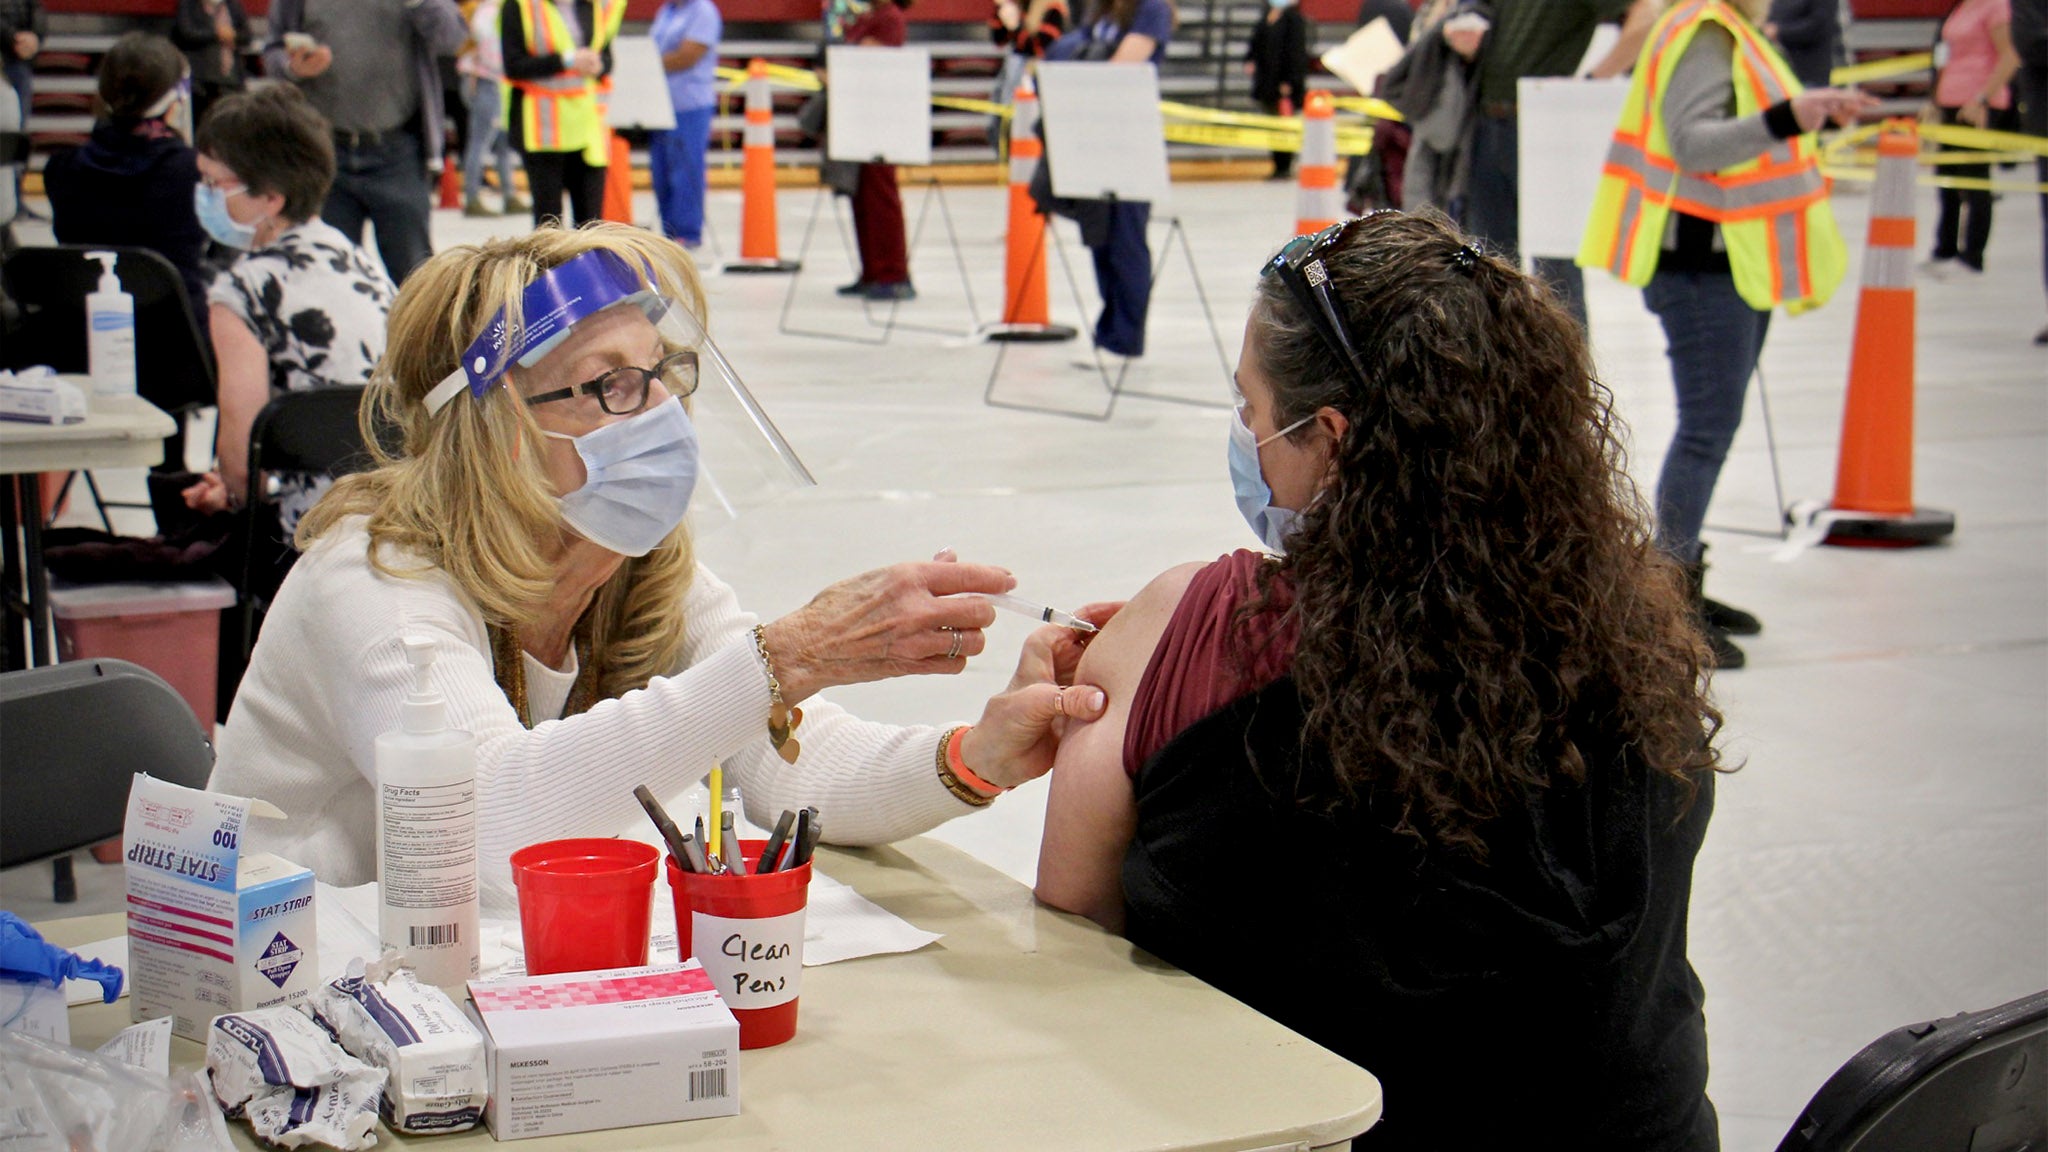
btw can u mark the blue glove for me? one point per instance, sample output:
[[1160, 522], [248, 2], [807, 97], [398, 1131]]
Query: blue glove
[[25, 957]]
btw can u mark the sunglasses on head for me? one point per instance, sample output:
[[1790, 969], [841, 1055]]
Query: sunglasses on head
[[1299, 265]]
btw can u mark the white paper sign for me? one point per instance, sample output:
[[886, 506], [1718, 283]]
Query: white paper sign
[[880, 104], [1370, 51], [754, 963], [146, 1045], [1104, 135], [1566, 126], [640, 96]]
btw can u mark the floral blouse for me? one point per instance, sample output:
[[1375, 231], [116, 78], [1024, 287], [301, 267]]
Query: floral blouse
[[317, 304]]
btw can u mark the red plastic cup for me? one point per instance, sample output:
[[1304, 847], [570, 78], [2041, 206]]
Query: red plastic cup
[[748, 932], [585, 904]]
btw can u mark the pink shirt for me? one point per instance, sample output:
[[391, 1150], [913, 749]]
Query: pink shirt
[[1972, 57]]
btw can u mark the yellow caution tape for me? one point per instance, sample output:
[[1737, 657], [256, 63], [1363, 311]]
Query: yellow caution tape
[[1984, 139], [1881, 69], [1866, 175], [1354, 142], [967, 104], [1371, 106]]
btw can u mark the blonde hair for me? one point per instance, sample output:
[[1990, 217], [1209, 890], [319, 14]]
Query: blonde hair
[[466, 489]]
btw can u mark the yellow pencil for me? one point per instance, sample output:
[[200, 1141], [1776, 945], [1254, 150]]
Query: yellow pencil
[[717, 806]]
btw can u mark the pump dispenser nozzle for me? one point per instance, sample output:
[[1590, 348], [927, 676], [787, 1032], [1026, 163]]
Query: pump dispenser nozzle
[[424, 709], [108, 281]]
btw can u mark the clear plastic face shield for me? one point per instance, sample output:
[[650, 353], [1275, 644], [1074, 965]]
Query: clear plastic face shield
[[743, 461]]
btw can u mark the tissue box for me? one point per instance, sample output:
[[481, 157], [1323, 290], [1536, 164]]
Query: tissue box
[[210, 930], [581, 1051], [37, 397]]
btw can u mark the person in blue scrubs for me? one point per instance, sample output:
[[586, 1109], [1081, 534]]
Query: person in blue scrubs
[[686, 33]]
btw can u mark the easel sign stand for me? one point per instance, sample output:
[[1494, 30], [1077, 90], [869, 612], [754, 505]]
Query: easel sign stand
[[1106, 140], [879, 111]]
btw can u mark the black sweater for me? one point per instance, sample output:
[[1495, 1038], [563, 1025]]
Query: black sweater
[[131, 191], [1541, 1000]]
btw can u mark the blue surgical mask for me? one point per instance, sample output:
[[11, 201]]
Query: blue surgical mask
[[212, 206], [639, 476], [1254, 495]]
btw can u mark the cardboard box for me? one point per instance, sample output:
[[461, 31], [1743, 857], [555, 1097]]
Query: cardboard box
[[582, 1051], [209, 929]]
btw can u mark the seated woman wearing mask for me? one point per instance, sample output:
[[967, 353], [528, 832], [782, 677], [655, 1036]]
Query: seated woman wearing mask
[[1439, 769], [300, 308], [550, 391]]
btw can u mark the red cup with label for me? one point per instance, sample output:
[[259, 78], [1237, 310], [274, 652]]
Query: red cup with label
[[748, 932], [585, 904]]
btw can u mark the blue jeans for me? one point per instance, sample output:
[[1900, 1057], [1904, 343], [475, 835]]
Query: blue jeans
[[1713, 338], [1493, 201], [484, 134], [384, 182], [1123, 271], [677, 160]]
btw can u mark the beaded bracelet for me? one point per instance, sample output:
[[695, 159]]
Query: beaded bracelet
[[958, 787], [967, 776]]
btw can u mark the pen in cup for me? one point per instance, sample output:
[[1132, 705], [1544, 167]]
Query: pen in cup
[[1040, 612]]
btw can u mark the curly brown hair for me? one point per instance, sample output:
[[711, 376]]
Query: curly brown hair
[[1481, 609]]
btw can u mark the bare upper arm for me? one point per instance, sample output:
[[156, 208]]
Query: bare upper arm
[[1091, 811]]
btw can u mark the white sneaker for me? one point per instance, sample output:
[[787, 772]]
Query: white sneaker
[[1940, 268]]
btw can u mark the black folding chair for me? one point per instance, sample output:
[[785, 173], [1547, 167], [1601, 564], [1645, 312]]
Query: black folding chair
[[312, 431], [1977, 1082], [174, 360], [76, 734]]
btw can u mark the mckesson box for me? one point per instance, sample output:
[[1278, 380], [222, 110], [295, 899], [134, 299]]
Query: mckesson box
[[210, 930], [580, 1051], [171, 629]]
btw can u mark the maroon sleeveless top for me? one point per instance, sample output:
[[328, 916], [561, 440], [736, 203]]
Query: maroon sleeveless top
[[1207, 658]]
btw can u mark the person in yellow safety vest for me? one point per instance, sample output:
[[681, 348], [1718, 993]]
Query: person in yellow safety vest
[[558, 62], [1713, 202]]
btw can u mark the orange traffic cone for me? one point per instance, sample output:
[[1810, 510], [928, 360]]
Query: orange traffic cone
[[451, 183], [1025, 315], [1873, 502], [618, 182], [1319, 203], [760, 245]]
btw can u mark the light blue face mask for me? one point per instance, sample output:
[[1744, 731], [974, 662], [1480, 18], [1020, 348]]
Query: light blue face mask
[[1248, 480], [211, 205], [639, 476]]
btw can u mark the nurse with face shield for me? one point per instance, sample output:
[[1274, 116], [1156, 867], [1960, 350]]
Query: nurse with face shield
[[560, 408]]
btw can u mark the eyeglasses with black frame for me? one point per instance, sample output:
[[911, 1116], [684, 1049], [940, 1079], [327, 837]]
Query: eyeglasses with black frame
[[1299, 264], [623, 391]]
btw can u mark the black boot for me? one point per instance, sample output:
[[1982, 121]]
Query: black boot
[[1732, 620], [1726, 655]]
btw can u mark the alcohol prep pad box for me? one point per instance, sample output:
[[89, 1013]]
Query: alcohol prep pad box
[[581, 1051], [210, 930]]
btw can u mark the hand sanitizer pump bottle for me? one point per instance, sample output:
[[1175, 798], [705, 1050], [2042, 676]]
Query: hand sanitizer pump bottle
[[110, 332], [426, 833]]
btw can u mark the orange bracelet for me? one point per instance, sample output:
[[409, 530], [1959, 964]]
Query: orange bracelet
[[961, 770]]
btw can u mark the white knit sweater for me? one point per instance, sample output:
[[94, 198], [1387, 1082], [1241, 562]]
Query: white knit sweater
[[329, 674]]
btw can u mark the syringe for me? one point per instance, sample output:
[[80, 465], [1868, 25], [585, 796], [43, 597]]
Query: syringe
[[1040, 612]]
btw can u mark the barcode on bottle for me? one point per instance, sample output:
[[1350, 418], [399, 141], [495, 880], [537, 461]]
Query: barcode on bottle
[[433, 935], [707, 1084]]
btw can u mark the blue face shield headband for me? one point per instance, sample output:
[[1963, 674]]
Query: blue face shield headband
[[550, 307]]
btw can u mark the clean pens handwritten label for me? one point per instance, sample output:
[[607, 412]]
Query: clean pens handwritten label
[[753, 963]]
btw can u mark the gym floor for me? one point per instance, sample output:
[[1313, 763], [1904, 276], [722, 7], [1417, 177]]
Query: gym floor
[[1880, 858]]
